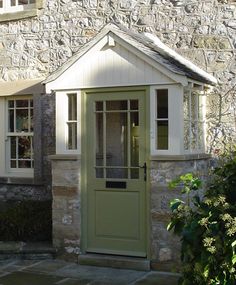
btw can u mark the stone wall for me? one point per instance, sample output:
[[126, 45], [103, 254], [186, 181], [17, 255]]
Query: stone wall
[[66, 208], [204, 31], [165, 247], [25, 191]]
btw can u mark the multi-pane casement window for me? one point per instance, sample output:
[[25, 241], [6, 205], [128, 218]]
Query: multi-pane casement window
[[19, 135], [162, 121], [193, 103], [72, 121], [177, 121], [67, 122], [16, 5]]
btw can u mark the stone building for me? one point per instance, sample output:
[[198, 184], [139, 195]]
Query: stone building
[[99, 116]]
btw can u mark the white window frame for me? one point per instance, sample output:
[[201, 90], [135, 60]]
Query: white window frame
[[5, 170], [7, 8], [62, 122], [175, 120]]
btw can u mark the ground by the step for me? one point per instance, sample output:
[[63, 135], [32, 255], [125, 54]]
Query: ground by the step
[[57, 272]]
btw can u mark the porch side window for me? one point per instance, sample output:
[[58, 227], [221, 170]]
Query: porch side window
[[193, 121], [20, 134], [162, 121], [72, 121]]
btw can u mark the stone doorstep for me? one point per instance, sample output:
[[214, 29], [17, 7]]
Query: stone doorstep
[[29, 250], [123, 262]]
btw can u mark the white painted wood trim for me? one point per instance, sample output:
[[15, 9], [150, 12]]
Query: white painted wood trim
[[175, 106], [61, 119], [2, 136]]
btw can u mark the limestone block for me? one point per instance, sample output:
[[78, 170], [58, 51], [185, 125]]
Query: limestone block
[[65, 178], [66, 165], [67, 219], [59, 203], [165, 254], [211, 42], [231, 24], [65, 191]]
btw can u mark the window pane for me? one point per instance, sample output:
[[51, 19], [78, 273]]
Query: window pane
[[117, 173], [72, 121], [99, 139], [186, 105], [13, 164], [72, 135], [99, 173], [194, 135], [11, 104], [200, 108], [22, 120], [24, 163], [116, 139], [134, 141], [134, 173], [200, 135], [116, 105], [11, 121], [194, 107], [162, 103], [186, 135], [72, 107], [13, 147], [13, 2], [133, 104], [162, 135], [31, 120], [22, 103], [31, 103], [24, 147], [99, 106]]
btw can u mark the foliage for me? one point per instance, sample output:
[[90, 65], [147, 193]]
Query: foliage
[[207, 227], [25, 221]]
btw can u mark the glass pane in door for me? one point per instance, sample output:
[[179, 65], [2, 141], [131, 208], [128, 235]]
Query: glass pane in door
[[116, 139]]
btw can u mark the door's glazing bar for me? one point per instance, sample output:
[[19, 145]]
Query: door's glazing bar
[[104, 139], [129, 141]]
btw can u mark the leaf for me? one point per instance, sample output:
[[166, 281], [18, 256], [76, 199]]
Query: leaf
[[170, 226], [174, 204], [206, 271], [234, 259]]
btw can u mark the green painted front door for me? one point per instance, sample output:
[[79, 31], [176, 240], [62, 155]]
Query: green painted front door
[[115, 156]]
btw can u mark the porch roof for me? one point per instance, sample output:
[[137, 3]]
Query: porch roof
[[150, 46], [21, 87]]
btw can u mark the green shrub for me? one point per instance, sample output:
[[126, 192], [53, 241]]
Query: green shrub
[[25, 221], [207, 227]]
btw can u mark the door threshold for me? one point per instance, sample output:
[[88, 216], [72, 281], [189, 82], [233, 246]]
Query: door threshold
[[114, 261]]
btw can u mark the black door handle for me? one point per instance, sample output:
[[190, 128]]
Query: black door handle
[[145, 170]]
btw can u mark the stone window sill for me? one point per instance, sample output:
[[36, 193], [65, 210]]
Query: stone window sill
[[180, 157], [65, 157], [18, 181], [6, 17]]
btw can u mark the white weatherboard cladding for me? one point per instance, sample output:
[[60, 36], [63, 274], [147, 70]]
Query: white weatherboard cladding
[[104, 66]]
